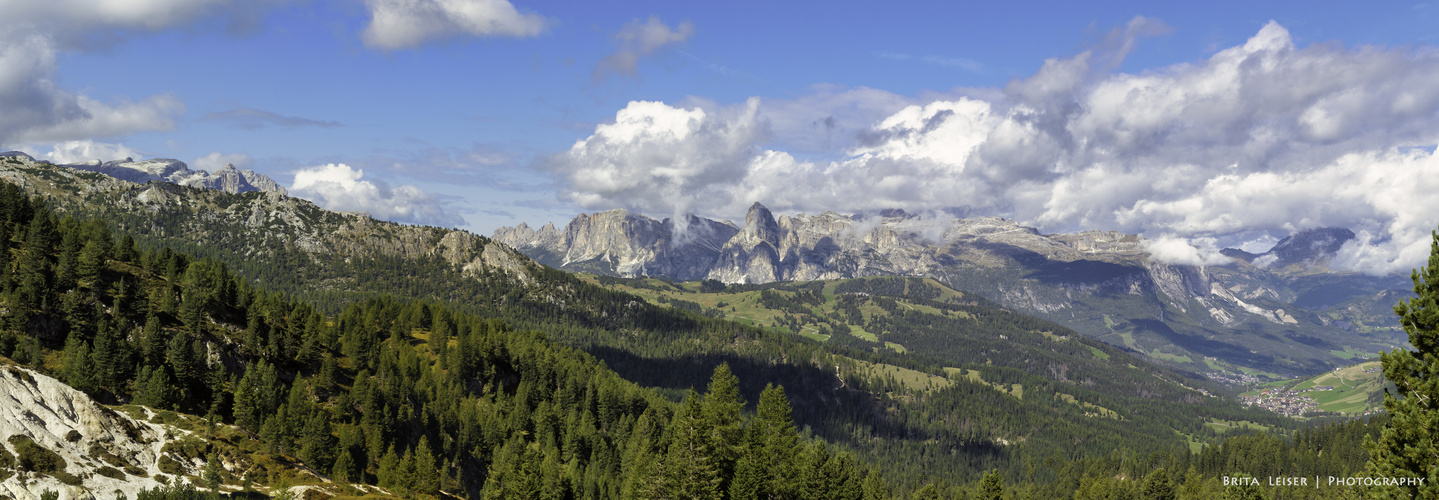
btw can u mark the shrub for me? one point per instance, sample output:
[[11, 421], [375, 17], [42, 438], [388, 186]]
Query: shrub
[[111, 473], [36, 458]]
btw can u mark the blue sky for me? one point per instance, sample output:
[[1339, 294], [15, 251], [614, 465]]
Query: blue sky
[[467, 113]]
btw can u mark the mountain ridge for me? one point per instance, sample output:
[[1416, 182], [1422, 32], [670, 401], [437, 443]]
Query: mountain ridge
[[228, 178], [1105, 284]]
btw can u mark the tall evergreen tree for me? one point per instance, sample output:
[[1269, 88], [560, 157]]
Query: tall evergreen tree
[[79, 366], [992, 486], [1406, 448], [722, 406], [776, 442], [694, 468], [1157, 486]]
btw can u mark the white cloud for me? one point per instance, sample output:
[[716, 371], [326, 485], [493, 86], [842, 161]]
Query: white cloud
[[217, 160], [638, 40], [86, 150], [404, 24], [1183, 251], [660, 159], [37, 110], [339, 187], [1264, 138]]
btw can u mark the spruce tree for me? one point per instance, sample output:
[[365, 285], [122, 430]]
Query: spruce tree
[[694, 469], [79, 366], [427, 473], [1406, 447], [777, 441], [992, 486], [1157, 486], [722, 406], [344, 468], [875, 487]]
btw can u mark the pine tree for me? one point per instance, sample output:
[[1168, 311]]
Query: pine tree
[[344, 469], [318, 450], [389, 468], [694, 469], [212, 473], [154, 388], [776, 442], [721, 409], [930, 492], [815, 482], [992, 486], [89, 264], [875, 487], [153, 341], [749, 481], [79, 367], [1157, 486], [427, 474], [126, 251], [181, 358], [1406, 447]]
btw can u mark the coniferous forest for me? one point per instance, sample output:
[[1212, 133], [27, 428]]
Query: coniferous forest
[[478, 387]]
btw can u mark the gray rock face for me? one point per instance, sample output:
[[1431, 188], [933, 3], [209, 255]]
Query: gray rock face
[[228, 179], [618, 242], [802, 247], [1101, 283], [69, 423]]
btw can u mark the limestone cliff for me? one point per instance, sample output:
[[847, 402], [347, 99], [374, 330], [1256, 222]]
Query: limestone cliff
[[88, 437]]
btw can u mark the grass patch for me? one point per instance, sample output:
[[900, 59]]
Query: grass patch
[[1016, 390], [1090, 409], [1156, 354], [1097, 353], [1224, 426], [913, 380]]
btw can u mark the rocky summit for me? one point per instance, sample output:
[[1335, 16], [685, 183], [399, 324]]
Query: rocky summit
[[228, 179], [1102, 283]]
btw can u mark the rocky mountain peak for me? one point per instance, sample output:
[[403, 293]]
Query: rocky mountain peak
[[1307, 248], [1310, 245], [229, 179], [759, 227]]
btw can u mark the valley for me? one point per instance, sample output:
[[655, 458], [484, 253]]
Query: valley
[[282, 305], [1281, 313]]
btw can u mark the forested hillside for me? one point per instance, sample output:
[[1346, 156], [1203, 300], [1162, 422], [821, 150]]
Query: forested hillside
[[408, 395], [464, 369]]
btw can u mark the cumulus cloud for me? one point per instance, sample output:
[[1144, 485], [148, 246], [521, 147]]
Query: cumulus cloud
[[217, 160], [1185, 251], [404, 24], [656, 158], [1261, 139], [339, 187], [37, 110], [87, 150], [638, 40]]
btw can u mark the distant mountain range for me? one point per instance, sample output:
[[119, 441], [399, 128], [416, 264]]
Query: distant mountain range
[[228, 179], [1281, 311]]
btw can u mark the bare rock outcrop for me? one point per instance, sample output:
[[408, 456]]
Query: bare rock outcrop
[[86, 435]]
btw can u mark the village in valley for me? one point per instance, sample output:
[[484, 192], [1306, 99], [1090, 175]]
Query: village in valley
[[1346, 390]]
